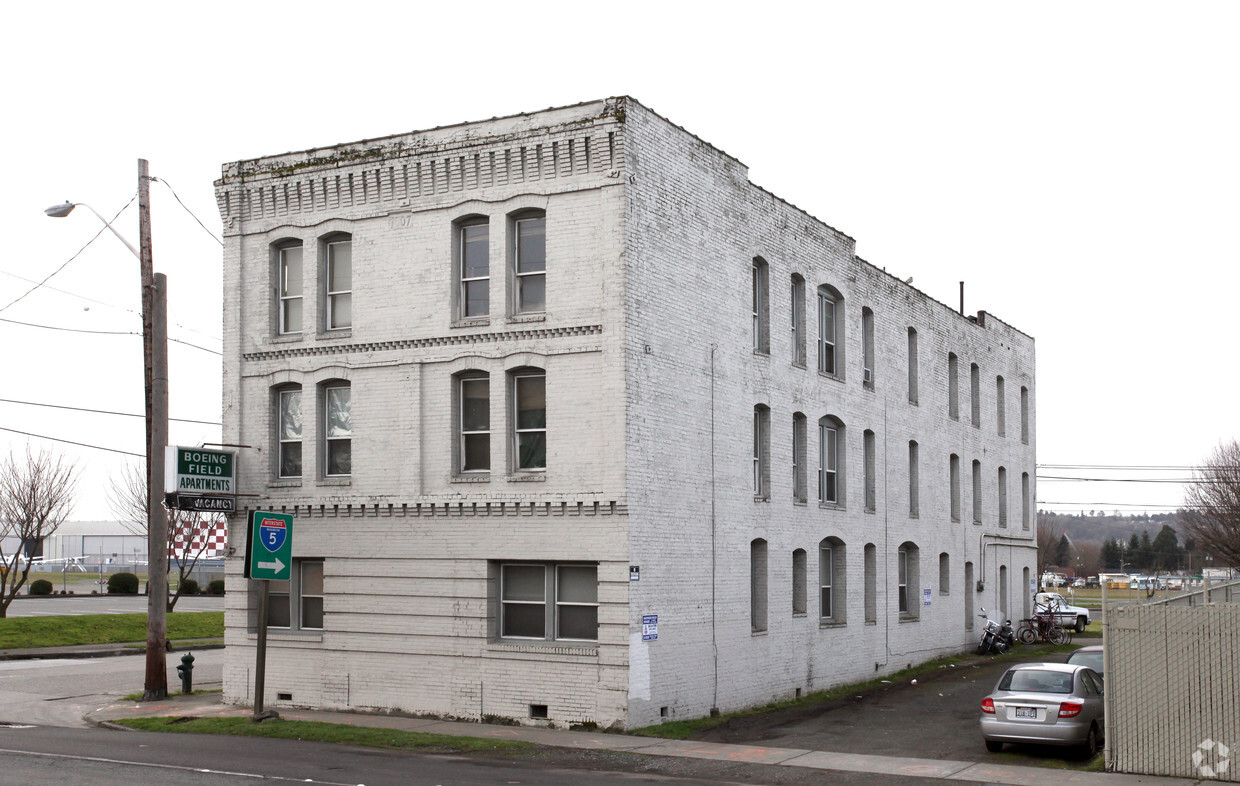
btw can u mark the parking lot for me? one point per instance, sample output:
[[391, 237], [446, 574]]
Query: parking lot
[[936, 718]]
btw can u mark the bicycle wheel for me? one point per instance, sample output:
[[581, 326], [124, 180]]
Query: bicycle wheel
[[1027, 635], [1056, 636]]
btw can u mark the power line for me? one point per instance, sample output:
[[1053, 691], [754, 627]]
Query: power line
[[1137, 467], [71, 442], [105, 411], [107, 333], [187, 210]]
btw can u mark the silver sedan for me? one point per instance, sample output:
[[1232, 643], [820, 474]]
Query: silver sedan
[[1045, 704]]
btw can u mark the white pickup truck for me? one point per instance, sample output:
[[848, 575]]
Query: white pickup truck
[[1065, 613]]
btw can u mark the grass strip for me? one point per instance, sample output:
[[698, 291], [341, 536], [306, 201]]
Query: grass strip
[[73, 630], [339, 733], [683, 729]]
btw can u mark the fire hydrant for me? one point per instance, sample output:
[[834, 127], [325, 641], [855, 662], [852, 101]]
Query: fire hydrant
[[186, 670]]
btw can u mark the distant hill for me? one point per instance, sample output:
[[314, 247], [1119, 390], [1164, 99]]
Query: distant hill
[[1084, 528]]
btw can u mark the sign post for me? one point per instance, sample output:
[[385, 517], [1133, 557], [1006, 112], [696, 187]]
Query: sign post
[[268, 557]]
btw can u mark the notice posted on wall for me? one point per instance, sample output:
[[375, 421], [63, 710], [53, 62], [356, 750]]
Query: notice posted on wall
[[650, 627], [925, 596]]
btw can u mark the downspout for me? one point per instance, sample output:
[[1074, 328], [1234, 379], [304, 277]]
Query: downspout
[[714, 644]]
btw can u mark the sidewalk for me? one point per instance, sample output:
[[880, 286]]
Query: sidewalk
[[209, 705], [106, 650]]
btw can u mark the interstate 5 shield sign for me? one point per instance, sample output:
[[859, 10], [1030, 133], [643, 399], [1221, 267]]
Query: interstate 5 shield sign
[[269, 547]]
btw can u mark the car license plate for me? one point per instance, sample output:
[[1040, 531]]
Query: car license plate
[[1027, 712]]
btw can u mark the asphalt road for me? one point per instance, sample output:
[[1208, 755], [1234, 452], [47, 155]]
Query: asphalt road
[[59, 692], [936, 718], [62, 605], [99, 757]]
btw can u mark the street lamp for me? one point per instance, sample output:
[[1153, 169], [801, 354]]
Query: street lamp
[[155, 367]]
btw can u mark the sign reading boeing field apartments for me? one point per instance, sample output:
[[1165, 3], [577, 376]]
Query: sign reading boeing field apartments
[[269, 546], [200, 471], [200, 479]]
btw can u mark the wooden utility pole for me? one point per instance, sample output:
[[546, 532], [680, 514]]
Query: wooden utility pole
[[155, 366]]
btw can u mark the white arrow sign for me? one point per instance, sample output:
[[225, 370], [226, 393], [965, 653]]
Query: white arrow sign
[[276, 566]]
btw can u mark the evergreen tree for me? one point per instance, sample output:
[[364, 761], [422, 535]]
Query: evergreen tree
[[1167, 552], [1063, 549], [1145, 552], [1112, 553]]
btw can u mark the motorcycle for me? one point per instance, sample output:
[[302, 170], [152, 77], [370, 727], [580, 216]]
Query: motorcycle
[[998, 638]]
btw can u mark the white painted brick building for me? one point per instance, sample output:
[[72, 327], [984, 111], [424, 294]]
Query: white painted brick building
[[493, 490]]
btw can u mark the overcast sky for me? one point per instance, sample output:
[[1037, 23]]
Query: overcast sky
[[1076, 164]]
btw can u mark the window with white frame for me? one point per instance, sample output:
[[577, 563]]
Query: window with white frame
[[870, 470], [530, 263], [761, 452], [337, 430], [798, 457], [867, 347], [474, 422], [798, 320], [825, 569], [548, 601], [473, 269], [288, 432], [339, 289], [830, 331], [830, 461], [529, 406], [297, 604], [288, 265], [761, 307], [902, 581]]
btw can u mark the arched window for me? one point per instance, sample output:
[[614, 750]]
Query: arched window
[[871, 583], [757, 585], [953, 386], [288, 431], [799, 456], [473, 421], [1000, 407], [914, 480], [799, 582], [830, 331], [529, 419], [529, 261], [867, 347], [761, 307], [975, 394], [1003, 497], [945, 580], [798, 320], [831, 459], [908, 579], [472, 251], [338, 282], [832, 581], [337, 428], [912, 365], [953, 468], [289, 287], [761, 452]]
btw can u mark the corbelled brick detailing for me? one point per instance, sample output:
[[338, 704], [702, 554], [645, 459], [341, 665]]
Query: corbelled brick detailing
[[463, 339]]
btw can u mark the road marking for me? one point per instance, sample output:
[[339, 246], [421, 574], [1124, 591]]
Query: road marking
[[100, 760]]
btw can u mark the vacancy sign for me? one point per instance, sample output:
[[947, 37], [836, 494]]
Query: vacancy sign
[[269, 546]]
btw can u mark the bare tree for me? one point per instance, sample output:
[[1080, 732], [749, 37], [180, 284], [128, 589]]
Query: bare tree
[[1049, 536], [36, 496], [1212, 505], [188, 532]]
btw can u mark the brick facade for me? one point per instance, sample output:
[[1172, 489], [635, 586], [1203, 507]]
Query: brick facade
[[646, 343]]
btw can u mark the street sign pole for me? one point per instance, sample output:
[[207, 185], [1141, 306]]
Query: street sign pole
[[268, 557], [260, 667]]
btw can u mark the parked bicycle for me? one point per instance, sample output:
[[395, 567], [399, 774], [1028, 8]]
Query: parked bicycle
[[1043, 626]]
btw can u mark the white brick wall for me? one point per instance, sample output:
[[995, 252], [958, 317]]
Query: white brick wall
[[651, 234]]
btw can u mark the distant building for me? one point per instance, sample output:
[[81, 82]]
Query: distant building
[[580, 425]]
